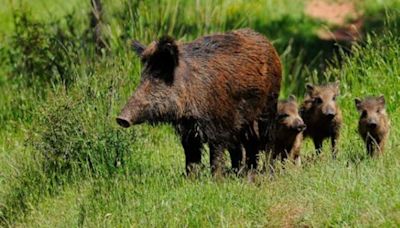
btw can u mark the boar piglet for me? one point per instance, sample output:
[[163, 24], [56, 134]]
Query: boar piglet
[[288, 131], [322, 115], [211, 90], [373, 124]]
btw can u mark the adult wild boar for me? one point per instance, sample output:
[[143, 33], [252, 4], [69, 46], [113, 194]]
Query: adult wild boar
[[211, 90]]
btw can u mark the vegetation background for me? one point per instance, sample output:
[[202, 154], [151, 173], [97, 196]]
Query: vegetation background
[[64, 161]]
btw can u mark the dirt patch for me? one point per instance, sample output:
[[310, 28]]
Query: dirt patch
[[342, 15], [333, 12], [287, 215]]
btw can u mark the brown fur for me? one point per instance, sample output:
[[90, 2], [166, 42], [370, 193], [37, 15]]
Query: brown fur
[[212, 90], [322, 115], [373, 125], [288, 131]]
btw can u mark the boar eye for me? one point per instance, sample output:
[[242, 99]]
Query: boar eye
[[282, 116], [378, 110], [144, 60], [334, 98], [317, 100], [364, 114]]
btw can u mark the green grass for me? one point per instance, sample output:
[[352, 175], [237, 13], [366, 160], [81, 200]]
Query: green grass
[[64, 162]]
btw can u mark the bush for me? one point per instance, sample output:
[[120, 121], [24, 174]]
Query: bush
[[75, 136], [43, 52]]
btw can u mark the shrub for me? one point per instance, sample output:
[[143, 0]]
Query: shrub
[[43, 52], [75, 136]]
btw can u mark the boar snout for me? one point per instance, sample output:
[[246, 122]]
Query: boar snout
[[372, 124], [330, 113], [135, 111], [130, 116], [299, 125], [123, 122]]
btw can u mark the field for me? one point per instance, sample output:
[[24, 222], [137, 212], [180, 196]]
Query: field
[[64, 162]]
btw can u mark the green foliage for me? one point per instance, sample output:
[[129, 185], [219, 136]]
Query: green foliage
[[73, 136], [41, 52]]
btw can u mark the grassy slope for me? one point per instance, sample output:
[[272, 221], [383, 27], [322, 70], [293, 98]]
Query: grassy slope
[[354, 190], [150, 190]]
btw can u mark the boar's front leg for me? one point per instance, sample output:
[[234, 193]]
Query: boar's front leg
[[192, 145], [334, 140], [370, 147], [373, 147], [318, 145]]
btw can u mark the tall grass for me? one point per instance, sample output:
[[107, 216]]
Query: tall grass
[[64, 161]]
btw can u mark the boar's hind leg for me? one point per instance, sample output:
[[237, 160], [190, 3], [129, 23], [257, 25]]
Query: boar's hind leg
[[192, 145], [236, 154], [216, 159]]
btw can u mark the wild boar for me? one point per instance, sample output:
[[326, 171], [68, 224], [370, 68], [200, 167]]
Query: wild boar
[[322, 115], [211, 90], [373, 124], [288, 131]]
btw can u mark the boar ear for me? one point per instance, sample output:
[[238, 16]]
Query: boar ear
[[310, 88], [138, 48], [357, 102], [381, 100], [292, 98], [337, 85], [165, 58], [167, 47]]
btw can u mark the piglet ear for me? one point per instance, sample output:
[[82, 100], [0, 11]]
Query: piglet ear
[[310, 88], [138, 48], [357, 102], [292, 98], [337, 83], [337, 86], [381, 100]]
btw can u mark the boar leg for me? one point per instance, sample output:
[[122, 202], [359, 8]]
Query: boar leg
[[370, 147], [295, 155], [297, 160], [192, 145], [251, 146], [236, 154], [381, 147], [216, 159], [334, 146], [373, 147], [318, 145]]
